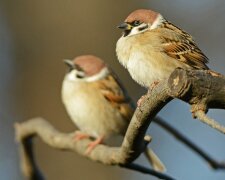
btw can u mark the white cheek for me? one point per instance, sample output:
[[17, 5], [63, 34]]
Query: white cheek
[[102, 74], [157, 22], [72, 76], [136, 30]]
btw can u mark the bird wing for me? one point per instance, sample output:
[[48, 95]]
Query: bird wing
[[116, 95], [180, 45]]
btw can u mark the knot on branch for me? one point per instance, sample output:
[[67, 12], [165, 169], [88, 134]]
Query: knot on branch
[[202, 87], [179, 83]]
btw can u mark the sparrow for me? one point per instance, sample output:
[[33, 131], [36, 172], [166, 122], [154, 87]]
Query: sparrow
[[151, 48], [96, 101]]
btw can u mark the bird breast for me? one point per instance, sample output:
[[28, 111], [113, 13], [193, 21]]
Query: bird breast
[[90, 111], [144, 58]]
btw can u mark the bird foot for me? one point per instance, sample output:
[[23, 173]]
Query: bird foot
[[80, 135], [93, 144], [153, 85], [140, 100]]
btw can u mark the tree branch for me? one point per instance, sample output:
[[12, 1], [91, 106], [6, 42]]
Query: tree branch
[[180, 137], [201, 89], [28, 164], [144, 170], [40, 127], [211, 122]]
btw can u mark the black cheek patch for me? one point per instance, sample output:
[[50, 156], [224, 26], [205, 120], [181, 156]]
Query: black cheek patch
[[143, 27], [126, 33], [79, 76]]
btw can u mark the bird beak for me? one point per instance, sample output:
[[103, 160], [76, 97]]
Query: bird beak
[[125, 26], [69, 63]]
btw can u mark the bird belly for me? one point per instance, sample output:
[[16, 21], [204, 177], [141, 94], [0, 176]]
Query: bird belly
[[92, 114], [145, 70]]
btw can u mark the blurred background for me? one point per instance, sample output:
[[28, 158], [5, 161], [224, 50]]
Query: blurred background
[[34, 38]]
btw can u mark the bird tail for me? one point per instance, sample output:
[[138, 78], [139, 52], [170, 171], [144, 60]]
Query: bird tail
[[154, 160]]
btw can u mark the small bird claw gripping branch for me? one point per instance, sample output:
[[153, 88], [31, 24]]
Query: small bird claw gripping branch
[[201, 89]]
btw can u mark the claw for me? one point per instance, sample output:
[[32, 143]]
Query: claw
[[153, 85], [80, 135], [93, 144], [140, 100]]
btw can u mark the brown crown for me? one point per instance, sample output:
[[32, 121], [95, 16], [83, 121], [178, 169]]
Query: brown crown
[[142, 15], [89, 64]]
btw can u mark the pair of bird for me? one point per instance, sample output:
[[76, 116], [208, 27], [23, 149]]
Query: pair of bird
[[150, 48]]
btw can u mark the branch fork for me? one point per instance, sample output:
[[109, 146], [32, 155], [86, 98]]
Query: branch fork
[[201, 89]]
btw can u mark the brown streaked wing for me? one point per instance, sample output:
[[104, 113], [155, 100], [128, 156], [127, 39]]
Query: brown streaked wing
[[116, 95], [179, 45]]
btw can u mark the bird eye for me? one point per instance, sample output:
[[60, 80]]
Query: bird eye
[[136, 23]]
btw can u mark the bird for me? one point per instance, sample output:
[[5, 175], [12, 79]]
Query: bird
[[151, 48], [96, 101]]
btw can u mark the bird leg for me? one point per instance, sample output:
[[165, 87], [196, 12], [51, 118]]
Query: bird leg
[[80, 135], [94, 143], [151, 87], [140, 100]]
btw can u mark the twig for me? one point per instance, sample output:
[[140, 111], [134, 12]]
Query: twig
[[213, 163], [156, 163], [28, 164], [145, 170], [211, 122], [202, 89], [63, 141]]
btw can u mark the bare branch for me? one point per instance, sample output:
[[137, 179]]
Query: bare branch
[[153, 102], [180, 137], [63, 141], [28, 164], [156, 163], [211, 122], [198, 87], [142, 169], [201, 89]]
